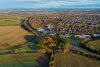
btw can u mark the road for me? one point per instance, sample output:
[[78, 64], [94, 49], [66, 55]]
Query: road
[[83, 51], [27, 26]]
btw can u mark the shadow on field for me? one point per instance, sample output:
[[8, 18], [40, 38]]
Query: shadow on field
[[29, 38], [43, 61]]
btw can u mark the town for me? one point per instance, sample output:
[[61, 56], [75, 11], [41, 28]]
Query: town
[[50, 39]]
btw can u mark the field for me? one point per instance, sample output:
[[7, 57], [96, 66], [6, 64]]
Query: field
[[9, 22], [8, 19], [19, 60], [95, 44], [74, 60], [11, 36]]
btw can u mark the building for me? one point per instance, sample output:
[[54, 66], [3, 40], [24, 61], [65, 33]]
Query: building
[[69, 35], [83, 36], [96, 35], [41, 29], [50, 26]]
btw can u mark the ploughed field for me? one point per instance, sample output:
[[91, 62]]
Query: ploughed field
[[11, 36], [74, 60]]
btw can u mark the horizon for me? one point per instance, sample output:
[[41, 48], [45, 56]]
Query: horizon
[[48, 9]]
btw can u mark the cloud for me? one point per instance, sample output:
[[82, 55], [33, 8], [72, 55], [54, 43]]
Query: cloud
[[28, 0], [62, 3], [52, 3]]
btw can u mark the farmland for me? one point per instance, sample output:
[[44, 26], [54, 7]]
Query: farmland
[[11, 36], [95, 44], [8, 19], [23, 53], [9, 22], [74, 60], [19, 60]]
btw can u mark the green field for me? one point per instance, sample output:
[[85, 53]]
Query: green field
[[19, 60], [9, 22], [22, 64], [95, 44]]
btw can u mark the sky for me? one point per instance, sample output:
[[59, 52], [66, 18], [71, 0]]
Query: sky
[[39, 4]]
